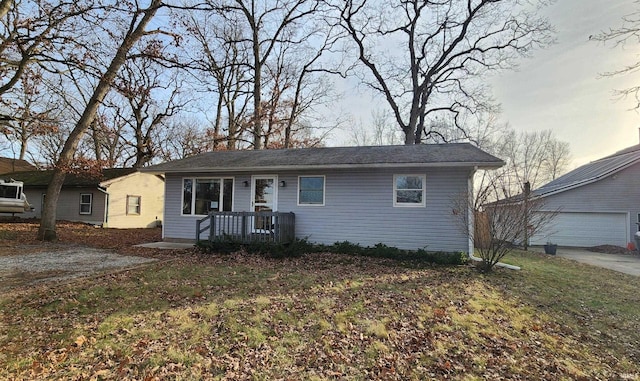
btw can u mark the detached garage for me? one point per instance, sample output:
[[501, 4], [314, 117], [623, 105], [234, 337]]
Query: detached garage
[[586, 229], [598, 203]]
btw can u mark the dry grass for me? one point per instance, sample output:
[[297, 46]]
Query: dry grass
[[327, 317]]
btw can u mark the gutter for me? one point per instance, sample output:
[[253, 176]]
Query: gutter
[[481, 165], [470, 226], [106, 205]]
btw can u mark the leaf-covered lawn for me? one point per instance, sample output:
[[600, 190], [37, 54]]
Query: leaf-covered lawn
[[326, 316], [21, 237]]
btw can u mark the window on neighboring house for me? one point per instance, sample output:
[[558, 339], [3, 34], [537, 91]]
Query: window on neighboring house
[[203, 195], [311, 190], [133, 205], [409, 190], [86, 199], [44, 196]]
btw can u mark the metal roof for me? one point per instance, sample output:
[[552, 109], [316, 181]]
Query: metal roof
[[421, 155], [592, 172]]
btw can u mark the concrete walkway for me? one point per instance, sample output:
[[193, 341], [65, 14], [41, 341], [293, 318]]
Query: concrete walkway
[[624, 263], [167, 245]]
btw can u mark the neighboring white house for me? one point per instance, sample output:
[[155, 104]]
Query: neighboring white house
[[120, 198], [599, 202], [401, 196]]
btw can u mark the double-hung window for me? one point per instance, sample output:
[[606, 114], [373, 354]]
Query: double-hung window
[[203, 195], [311, 190], [409, 190], [133, 205], [86, 201]]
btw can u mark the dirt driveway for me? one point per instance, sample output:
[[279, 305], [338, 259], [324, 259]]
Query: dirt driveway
[[81, 250], [61, 265]]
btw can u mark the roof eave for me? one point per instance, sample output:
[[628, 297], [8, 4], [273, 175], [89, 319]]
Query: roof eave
[[108, 182], [478, 165], [589, 180]]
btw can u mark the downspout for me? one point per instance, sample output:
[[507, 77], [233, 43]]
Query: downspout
[[470, 228], [105, 219]]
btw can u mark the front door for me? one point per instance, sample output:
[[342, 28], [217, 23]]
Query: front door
[[265, 197]]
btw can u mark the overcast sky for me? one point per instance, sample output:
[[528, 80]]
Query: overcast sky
[[561, 88]]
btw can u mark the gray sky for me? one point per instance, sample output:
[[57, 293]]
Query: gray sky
[[560, 88]]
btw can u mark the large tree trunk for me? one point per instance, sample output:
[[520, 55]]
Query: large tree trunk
[[47, 230]]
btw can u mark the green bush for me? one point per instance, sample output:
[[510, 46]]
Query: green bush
[[228, 245], [381, 250], [345, 247], [299, 247]]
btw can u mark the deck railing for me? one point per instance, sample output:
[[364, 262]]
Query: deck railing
[[247, 227]]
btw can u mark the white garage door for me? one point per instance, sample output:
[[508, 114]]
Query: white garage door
[[585, 229]]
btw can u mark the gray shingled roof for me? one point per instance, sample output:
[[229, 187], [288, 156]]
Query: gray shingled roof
[[594, 171], [8, 165], [435, 155], [41, 179]]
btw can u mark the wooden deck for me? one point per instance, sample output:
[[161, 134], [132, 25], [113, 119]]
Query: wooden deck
[[247, 227]]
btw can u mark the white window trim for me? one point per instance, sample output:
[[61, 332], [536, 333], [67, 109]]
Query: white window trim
[[276, 185], [139, 205], [407, 204], [193, 193], [90, 204], [324, 190]]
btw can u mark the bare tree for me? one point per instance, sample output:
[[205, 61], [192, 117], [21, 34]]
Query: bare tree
[[533, 157], [28, 28], [498, 225], [30, 111], [381, 132], [293, 91], [49, 147], [136, 30], [440, 51], [142, 84], [103, 139], [626, 34], [185, 138], [268, 26], [220, 63]]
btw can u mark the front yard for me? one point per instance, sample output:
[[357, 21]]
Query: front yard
[[324, 316]]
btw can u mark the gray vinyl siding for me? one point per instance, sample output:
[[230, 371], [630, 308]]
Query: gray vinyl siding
[[358, 208], [68, 208], [618, 193]]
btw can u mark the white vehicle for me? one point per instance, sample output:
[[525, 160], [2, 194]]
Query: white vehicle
[[12, 200]]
